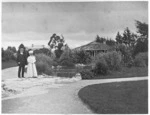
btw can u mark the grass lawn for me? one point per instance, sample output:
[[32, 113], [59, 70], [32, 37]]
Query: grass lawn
[[126, 72], [117, 98], [8, 64]]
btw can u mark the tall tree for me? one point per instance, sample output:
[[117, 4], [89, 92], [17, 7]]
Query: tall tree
[[127, 37], [110, 42], [119, 38], [142, 28], [56, 42], [13, 49], [100, 39], [142, 41]]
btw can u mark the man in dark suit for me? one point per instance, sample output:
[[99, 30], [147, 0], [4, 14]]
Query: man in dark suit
[[21, 60]]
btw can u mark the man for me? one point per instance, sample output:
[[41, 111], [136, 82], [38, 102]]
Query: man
[[21, 60]]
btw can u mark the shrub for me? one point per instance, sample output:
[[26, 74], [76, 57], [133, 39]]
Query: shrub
[[87, 67], [66, 59], [43, 64], [113, 60], [44, 51], [126, 54], [81, 57], [101, 67], [66, 74], [67, 63], [87, 74], [8, 55], [141, 60]]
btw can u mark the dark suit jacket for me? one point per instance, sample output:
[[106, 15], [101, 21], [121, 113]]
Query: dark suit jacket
[[22, 59]]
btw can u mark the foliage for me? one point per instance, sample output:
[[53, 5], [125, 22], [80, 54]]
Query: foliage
[[44, 64], [100, 39], [81, 57], [126, 54], [134, 43], [44, 51], [58, 53], [66, 58], [112, 60], [87, 74], [141, 60], [57, 43], [100, 67], [141, 46], [110, 42], [68, 74], [13, 49], [142, 42], [128, 38], [8, 55], [2, 51], [119, 39], [142, 28], [67, 63]]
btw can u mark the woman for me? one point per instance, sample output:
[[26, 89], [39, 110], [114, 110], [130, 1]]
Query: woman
[[31, 69]]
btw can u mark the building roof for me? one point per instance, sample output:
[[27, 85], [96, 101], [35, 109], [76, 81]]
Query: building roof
[[34, 47], [93, 46]]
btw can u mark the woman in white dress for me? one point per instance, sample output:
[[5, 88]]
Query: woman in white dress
[[31, 69]]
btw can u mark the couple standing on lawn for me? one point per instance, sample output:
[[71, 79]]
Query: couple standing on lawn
[[26, 58]]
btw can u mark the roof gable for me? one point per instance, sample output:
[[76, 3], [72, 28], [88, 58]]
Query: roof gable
[[93, 46]]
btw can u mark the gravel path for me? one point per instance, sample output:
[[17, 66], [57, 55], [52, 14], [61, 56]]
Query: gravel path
[[63, 100]]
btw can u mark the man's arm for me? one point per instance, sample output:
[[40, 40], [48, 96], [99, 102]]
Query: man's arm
[[18, 60]]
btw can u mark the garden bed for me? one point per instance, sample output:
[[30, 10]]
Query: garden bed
[[125, 72]]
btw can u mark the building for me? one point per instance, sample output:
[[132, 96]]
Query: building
[[34, 47], [94, 48]]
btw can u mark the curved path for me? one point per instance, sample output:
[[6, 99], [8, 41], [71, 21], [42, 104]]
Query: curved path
[[63, 100]]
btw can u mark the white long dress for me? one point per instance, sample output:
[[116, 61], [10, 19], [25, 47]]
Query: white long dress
[[31, 69]]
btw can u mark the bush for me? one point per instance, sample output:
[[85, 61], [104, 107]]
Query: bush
[[101, 67], [8, 55], [126, 54], [113, 60], [66, 59], [87, 74], [82, 57], [44, 51], [66, 74], [44, 64], [141, 60], [67, 63]]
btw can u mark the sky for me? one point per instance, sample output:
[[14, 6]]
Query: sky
[[79, 22]]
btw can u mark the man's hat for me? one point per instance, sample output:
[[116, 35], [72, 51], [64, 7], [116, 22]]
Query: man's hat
[[21, 46]]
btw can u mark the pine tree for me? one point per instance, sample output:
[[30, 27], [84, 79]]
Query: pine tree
[[119, 38]]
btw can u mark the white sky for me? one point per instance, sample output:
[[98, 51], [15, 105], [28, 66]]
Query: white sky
[[79, 22]]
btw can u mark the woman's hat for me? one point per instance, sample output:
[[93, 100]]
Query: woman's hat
[[30, 52]]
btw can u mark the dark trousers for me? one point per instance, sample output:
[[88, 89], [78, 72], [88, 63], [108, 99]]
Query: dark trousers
[[21, 69]]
